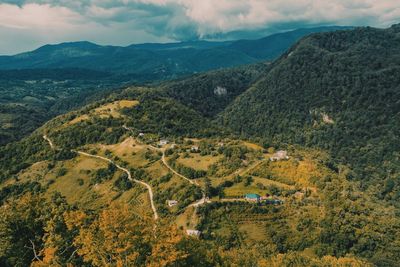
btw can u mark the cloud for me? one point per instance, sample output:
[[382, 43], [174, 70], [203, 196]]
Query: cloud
[[25, 24]]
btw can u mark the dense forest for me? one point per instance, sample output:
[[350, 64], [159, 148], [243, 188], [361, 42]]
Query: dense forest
[[209, 93]]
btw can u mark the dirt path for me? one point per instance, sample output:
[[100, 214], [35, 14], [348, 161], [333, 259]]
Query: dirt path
[[49, 141], [251, 167], [204, 199], [153, 207], [151, 195], [164, 161], [195, 205], [232, 199]]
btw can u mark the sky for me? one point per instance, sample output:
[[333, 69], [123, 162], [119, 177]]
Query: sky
[[27, 24]]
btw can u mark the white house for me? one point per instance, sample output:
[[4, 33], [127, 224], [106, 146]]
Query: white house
[[280, 155], [172, 203], [194, 149], [193, 232], [163, 142], [141, 134]]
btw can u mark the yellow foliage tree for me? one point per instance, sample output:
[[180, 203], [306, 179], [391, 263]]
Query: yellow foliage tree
[[164, 250], [116, 237], [296, 259]]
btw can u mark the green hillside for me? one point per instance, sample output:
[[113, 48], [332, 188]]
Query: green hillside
[[270, 47], [210, 92], [337, 91]]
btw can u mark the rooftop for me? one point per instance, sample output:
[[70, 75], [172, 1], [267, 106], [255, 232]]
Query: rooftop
[[252, 196]]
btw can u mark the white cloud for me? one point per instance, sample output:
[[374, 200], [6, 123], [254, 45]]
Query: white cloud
[[133, 21], [37, 16], [225, 15]]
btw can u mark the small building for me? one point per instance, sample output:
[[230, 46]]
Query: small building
[[280, 155], [220, 144], [173, 145], [141, 135], [194, 149], [253, 197], [193, 232], [163, 142], [172, 203]]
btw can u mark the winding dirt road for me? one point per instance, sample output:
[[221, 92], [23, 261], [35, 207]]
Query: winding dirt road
[[195, 205], [153, 207], [204, 199], [164, 161]]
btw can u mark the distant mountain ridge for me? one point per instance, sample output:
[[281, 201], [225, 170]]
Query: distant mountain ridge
[[157, 61]]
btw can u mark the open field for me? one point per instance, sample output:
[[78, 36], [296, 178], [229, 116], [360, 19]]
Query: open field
[[106, 111], [73, 179], [198, 162]]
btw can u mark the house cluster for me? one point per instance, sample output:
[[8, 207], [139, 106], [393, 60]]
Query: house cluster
[[266, 199], [279, 155]]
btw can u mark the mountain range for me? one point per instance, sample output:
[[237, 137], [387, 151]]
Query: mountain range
[[157, 61]]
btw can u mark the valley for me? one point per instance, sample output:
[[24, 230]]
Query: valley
[[29, 98]]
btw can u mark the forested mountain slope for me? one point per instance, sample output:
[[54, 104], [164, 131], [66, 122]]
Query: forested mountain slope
[[271, 47], [210, 92], [338, 91]]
